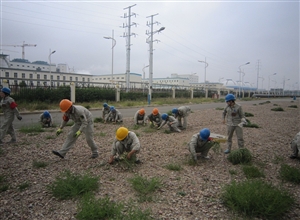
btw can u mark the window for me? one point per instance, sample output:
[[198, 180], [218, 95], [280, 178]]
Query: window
[[76, 78], [7, 74], [88, 79], [83, 79], [15, 75], [23, 75], [51, 77], [104, 78], [64, 77], [45, 76], [16, 82], [118, 77], [38, 76], [122, 78], [30, 76], [38, 83], [70, 78], [57, 77]]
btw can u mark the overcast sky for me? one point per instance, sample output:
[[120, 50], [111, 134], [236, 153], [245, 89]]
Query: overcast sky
[[226, 34]]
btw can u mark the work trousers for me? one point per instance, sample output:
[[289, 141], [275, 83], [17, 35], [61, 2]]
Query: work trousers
[[239, 134], [7, 127]]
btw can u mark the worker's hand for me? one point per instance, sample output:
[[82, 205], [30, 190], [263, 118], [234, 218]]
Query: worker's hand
[[19, 117], [77, 134], [111, 160], [58, 132]]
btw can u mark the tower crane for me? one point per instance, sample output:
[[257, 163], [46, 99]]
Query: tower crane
[[23, 47]]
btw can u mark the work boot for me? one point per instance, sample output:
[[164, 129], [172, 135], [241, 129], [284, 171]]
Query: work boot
[[205, 157], [137, 161], [227, 151], [57, 154], [293, 157]]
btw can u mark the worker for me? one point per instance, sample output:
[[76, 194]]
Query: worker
[[114, 115], [201, 143], [235, 116], [171, 121], [83, 123], [295, 145], [125, 142], [10, 110], [46, 119], [155, 118], [140, 115], [181, 113], [105, 110]]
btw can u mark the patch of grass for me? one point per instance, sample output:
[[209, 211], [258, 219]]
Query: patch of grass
[[219, 108], [149, 129], [174, 167], [240, 156], [290, 174], [256, 198], [1, 151], [232, 172], [3, 183], [250, 125], [34, 129], [39, 164], [278, 159], [275, 104], [68, 185], [135, 127], [97, 120], [50, 137], [23, 186], [167, 131], [102, 134], [87, 106], [293, 106], [266, 102], [145, 187], [278, 109], [181, 193], [248, 114], [252, 172], [216, 148]]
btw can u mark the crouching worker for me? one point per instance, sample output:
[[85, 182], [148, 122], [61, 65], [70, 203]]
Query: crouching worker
[[295, 145], [170, 121], [125, 142], [155, 118], [201, 143], [114, 115], [140, 116], [83, 123], [46, 119]]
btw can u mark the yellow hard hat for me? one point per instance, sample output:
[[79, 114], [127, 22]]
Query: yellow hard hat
[[65, 104], [121, 133]]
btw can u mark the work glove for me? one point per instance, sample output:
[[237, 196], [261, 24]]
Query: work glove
[[58, 132], [77, 134], [19, 117]]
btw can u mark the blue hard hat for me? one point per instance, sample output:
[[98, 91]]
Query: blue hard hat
[[46, 114], [5, 90], [174, 110], [105, 105], [204, 134], [229, 97], [112, 108], [164, 116]]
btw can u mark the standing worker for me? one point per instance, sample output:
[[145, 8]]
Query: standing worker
[[125, 142], [295, 145], [114, 115], [10, 110], [46, 119], [181, 113], [235, 119], [155, 118], [105, 110], [83, 123], [171, 121], [140, 115], [201, 143]]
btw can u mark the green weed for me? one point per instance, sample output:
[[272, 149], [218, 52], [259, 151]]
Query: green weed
[[49, 137], [233, 172], [174, 167], [293, 106], [97, 120], [23, 186], [3, 184], [240, 156], [278, 159], [219, 108], [266, 102], [36, 128], [39, 164], [247, 114], [181, 193], [290, 174], [278, 109], [252, 172]]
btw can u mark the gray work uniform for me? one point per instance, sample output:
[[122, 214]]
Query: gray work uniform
[[295, 145], [183, 112], [83, 121], [138, 117], [155, 119], [131, 142], [197, 145], [114, 116], [10, 110], [105, 111], [234, 116], [45, 121], [172, 123]]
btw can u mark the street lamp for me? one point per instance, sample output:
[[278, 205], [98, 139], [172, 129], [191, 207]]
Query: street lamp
[[144, 76], [151, 59], [113, 44], [240, 71], [262, 82], [220, 79], [49, 58], [206, 65], [269, 83], [284, 85]]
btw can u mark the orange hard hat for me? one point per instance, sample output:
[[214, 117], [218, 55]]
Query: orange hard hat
[[155, 111], [142, 111], [65, 104]]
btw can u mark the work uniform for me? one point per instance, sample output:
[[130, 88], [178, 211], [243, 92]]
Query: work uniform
[[234, 115], [155, 119], [197, 145], [10, 110], [172, 123], [182, 113], [138, 117], [46, 121], [295, 145], [114, 116], [83, 122], [105, 111], [131, 142]]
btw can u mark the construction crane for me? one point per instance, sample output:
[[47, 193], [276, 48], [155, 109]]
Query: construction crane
[[23, 47]]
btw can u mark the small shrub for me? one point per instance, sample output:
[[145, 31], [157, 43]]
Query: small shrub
[[275, 104], [49, 137], [257, 198], [174, 167], [181, 193], [250, 125], [97, 120], [23, 186], [219, 108], [247, 114], [278, 109], [216, 148], [262, 103], [39, 164], [252, 172], [87, 106], [293, 106], [3, 184], [68, 185], [233, 172], [289, 173], [240, 156], [32, 129], [135, 127], [102, 134], [278, 159]]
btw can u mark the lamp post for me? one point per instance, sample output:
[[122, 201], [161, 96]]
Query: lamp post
[[262, 82], [206, 65], [144, 76], [49, 58], [113, 44], [240, 71], [151, 59], [275, 85], [220, 79], [269, 83], [284, 85]]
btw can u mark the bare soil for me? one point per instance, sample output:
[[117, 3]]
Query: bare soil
[[192, 193]]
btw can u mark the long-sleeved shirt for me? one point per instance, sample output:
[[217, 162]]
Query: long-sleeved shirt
[[114, 115], [234, 114], [183, 111], [105, 111], [155, 119], [296, 140], [138, 117], [42, 117], [170, 121], [131, 142], [197, 145], [9, 107]]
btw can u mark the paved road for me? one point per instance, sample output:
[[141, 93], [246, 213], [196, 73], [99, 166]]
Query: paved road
[[33, 117]]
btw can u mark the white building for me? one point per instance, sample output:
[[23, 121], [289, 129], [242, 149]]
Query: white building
[[193, 78]]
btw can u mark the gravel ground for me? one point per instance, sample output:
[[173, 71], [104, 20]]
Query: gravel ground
[[201, 184]]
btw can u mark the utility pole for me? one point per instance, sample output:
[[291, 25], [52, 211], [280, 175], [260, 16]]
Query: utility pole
[[258, 62], [128, 35]]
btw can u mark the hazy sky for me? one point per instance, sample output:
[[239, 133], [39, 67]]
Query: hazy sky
[[225, 33]]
